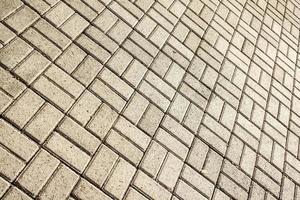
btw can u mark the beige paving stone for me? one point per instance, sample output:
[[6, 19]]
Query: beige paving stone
[[19, 113], [6, 34], [133, 194], [186, 192], [5, 100], [38, 172], [4, 185], [15, 193], [124, 147], [32, 67], [60, 185], [79, 135], [101, 166], [154, 95], [150, 187], [101, 38], [52, 33], [64, 80], [18, 143], [22, 19], [52, 92], [42, 43], [136, 108], [85, 190], [108, 95], [102, 121], [14, 52], [74, 26], [39, 5], [135, 73], [119, 61], [116, 83], [87, 70], [68, 151], [154, 158], [8, 7], [151, 119], [173, 165], [119, 181], [59, 13], [71, 58], [198, 181], [93, 48], [144, 99], [85, 107], [10, 166], [133, 133], [172, 143], [82, 8], [43, 123]]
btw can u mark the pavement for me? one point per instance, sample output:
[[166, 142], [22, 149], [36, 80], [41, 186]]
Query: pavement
[[149, 99]]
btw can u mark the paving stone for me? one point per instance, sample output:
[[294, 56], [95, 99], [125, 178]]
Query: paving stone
[[59, 13], [19, 113], [22, 19], [18, 143], [172, 165], [186, 192], [38, 172], [93, 48], [79, 135], [108, 95], [86, 190], [133, 133], [42, 43], [102, 121], [32, 67], [71, 58], [74, 26], [123, 146], [16, 193], [55, 94], [6, 34], [8, 7], [43, 123], [119, 181], [150, 187], [85, 107], [87, 70], [14, 52], [68, 151], [4, 185], [60, 185], [166, 99], [52, 33], [10, 167], [102, 164]]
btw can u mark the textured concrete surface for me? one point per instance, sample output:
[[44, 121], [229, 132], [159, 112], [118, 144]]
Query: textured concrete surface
[[144, 99]]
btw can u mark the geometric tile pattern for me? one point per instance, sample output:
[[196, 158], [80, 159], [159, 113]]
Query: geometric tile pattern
[[150, 99]]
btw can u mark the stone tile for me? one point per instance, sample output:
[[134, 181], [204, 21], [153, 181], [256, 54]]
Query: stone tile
[[8, 7], [67, 151], [18, 143], [14, 52], [166, 99], [38, 172]]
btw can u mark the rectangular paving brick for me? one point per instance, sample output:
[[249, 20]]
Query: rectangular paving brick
[[145, 99], [68, 151], [38, 172], [150, 187], [18, 143]]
